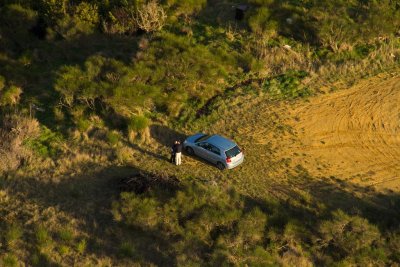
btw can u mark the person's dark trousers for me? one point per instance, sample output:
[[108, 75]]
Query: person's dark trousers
[[172, 159]]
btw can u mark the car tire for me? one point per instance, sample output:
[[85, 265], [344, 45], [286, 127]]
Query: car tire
[[189, 150], [220, 165]]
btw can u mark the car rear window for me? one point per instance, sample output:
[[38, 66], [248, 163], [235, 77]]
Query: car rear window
[[202, 138], [233, 152]]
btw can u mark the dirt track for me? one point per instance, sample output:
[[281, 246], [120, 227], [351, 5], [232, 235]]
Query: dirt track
[[352, 134]]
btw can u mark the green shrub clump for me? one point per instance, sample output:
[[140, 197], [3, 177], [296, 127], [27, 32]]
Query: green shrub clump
[[14, 233], [138, 123], [287, 85]]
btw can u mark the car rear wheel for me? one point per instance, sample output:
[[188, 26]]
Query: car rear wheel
[[189, 150], [220, 166]]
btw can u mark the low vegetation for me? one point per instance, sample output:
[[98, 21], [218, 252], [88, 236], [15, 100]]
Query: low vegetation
[[93, 91]]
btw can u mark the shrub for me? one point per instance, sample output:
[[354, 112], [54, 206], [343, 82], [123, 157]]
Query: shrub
[[113, 138], [251, 227], [81, 246], [138, 123], [87, 12], [127, 249], [16, 22], [42, 236], [52, 10], [13, 234], [39, 259], [10, 260], [70, 27], [348, 234], [9, 95], [64, 250], [150, 16], [120, 21], [66, 235], [46, 143], [287, 85], [261, 22], [185, 7], [2, 83], [141, 212], [83, 125], [342, 24], [14, 131]]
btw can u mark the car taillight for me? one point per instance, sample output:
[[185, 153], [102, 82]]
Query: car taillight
[[228, 160]]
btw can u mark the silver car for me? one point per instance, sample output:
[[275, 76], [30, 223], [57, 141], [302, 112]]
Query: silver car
[[216, 149]]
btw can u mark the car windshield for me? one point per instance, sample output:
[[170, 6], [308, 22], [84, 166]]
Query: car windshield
[[233, 152], [202, 138]]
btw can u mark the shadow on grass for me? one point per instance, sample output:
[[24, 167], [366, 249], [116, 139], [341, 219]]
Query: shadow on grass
[[89, 199], [165, 135]]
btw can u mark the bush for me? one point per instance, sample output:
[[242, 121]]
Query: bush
[[10, 95], [10, 260], [120, 21], [81, 246], [261, 22], [70, 27], [13, 234], [185, 7], [348, 234], [343, 24], [46, 143], [64, 250], [66, 235], [87, 12], [14, 132], [141, 212], [16, 22], [127, 250], [42, 236], [39, 259], [287, 85], [138, 123], [150, 16], [113, 138]]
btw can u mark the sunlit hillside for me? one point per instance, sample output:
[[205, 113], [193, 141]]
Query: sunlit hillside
[[93, 93]]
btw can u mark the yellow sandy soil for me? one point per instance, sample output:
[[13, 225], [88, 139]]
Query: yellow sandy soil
[[352, 134]]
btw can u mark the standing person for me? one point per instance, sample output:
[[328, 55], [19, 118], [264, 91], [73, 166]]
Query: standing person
[[173, 152], [178, 153]]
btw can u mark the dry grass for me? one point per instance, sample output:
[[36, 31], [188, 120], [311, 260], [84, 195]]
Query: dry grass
[[13, 132], [327, 73], [81, 184]]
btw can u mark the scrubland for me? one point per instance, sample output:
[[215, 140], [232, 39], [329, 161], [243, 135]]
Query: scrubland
[[92, 94]]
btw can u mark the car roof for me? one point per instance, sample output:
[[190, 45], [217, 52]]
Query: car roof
[[220, 142]]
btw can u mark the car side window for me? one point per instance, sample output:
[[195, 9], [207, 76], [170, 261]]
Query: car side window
[[215, 150], [203, 145]]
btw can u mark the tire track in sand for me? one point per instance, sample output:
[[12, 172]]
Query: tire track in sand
[[352, 134]]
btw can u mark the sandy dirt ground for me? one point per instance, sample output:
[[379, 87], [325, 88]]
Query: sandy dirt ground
[[352, 134]]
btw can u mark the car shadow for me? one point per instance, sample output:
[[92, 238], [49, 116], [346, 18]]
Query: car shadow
[[197, 158]]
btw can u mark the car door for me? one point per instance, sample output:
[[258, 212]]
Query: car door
[[213, 154], [200, 149]]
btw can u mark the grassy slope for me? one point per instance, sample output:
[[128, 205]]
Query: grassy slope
[[75, 192], [78, 198]]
